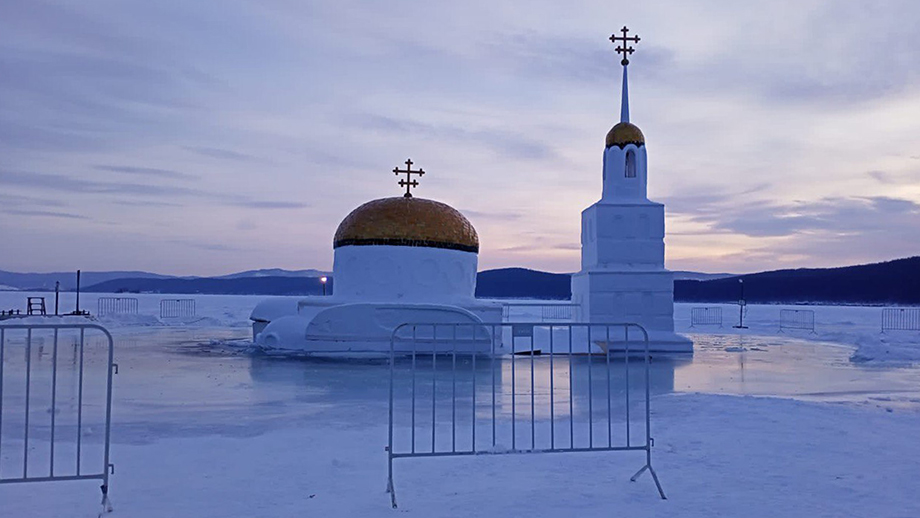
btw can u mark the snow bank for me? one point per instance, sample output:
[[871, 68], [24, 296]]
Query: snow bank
[[855, 326], [211, 310]]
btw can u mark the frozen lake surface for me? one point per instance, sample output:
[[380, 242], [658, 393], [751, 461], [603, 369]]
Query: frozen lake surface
[[755, 424], [205, 380], [189, 381]]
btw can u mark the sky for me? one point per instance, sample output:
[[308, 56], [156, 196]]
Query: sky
[[203, 138]]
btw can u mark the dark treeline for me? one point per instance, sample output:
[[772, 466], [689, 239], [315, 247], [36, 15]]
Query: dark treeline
[[892, 282], [241, 286], [523, 283]]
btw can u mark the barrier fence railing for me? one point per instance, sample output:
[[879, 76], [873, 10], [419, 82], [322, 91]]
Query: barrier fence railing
[[488, 389], [547, 312], [900, 319], [55, 392], [116, 306], [706, 316], [177, 308], [797, 319]]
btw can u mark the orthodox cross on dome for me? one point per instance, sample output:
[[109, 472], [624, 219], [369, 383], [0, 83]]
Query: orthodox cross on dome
[[625, 48], [408, 183]]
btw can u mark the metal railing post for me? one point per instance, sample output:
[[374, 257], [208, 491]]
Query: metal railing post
[[390, 489], [36, 378]]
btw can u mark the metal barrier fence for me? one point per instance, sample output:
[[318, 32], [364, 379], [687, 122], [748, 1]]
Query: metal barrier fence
[[706, 316], [900, 319], [116, 306], [548, 312], [797, 319], [177, 308], [460, 396], [56, 388]]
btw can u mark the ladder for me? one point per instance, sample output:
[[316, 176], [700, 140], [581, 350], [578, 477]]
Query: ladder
[[37, 306]]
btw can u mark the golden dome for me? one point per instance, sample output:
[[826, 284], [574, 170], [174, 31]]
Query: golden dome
[[625, 133], [407, 222]]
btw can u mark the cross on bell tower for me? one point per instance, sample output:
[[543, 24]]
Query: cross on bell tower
[[408, 183], [626, 49]]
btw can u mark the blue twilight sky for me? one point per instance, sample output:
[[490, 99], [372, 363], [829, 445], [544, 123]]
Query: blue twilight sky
[[203, 138]]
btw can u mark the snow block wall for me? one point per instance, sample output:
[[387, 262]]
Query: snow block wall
[[404, 274]]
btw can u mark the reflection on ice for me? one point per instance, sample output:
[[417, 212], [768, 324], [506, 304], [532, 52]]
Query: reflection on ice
[[195, 381], [530, 401]]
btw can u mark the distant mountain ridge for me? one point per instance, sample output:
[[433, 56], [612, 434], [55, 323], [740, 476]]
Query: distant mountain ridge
[[273, 272], [891, 282], [698, 276], [523, 283], [290, 285], [68, 280]]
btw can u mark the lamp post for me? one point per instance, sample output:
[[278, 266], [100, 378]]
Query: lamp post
[[323, 280], [77, 312], [741, 304]]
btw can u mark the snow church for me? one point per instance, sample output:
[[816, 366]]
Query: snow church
[[411, 260], [396, 260]]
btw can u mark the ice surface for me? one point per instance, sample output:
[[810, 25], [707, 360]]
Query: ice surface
[[206, 426]]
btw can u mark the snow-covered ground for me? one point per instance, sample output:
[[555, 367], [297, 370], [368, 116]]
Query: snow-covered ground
[[210, 310], [755, 424], [857, 326], [716, 456]]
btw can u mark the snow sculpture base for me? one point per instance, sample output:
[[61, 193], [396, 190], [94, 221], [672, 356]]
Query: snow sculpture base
[[622, 277], [329, 327], [641, 297], [377, 288]]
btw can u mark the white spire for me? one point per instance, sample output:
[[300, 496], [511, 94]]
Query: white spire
[[624, 106]]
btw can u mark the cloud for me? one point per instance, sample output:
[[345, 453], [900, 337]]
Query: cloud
[[43, 214], [504, 216], [146, 171], [69, 184], [540, 244], [567, 58], [852, 216], [224, 154], [881, 176], [145, 203], [568, 246], [207, 246], [256, 204], [886, 178], [504, 143], [11, 200]]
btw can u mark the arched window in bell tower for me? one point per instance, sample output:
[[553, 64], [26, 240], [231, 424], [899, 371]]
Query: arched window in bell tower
[[631, 164]]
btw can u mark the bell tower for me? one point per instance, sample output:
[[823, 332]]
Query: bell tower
[[622, 277]]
